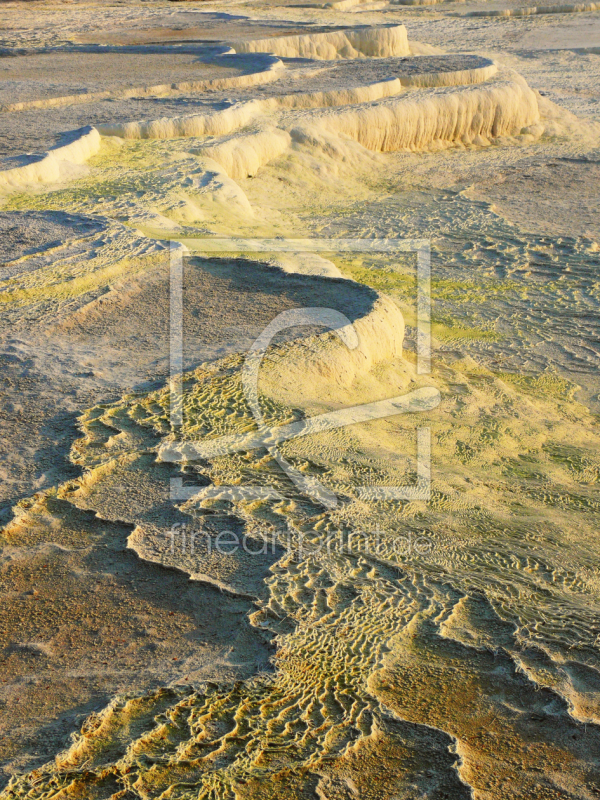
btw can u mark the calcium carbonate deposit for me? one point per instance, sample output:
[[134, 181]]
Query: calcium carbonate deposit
[[300, 324]]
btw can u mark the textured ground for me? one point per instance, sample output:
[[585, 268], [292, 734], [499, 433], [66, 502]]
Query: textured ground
[[440, 648]]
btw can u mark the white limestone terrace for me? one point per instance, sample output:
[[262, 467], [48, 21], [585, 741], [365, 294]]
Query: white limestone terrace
[[38, 28], [75, 72], [127, 37], [302, 77], [310, 85], [385, 48], [149, 63]]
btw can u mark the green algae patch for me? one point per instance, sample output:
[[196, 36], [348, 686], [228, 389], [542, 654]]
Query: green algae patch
[[61, 286], [548, 384]]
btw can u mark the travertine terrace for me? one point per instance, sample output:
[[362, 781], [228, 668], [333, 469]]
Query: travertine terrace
[[262, 262]]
